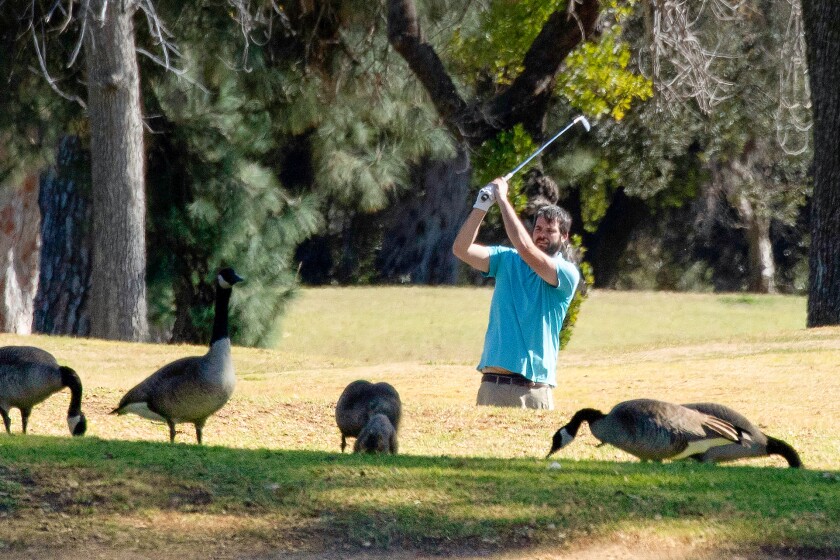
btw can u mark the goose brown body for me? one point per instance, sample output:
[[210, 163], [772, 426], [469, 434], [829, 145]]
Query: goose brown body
[[652, 430], [28, 376], [360, 401], [761, 445], [192, 389]]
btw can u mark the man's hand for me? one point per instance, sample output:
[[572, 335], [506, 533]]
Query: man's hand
[[486, 198], [500, 188]]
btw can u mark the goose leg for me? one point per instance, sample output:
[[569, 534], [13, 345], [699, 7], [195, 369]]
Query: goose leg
[[199, 426], [343, 441], [24, 417], [8, 421], [171, 430]]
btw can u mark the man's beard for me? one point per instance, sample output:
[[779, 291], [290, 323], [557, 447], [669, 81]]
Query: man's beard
[[551, 249]]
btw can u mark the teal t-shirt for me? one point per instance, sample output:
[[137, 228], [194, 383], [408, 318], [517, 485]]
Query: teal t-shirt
[[526, 315]]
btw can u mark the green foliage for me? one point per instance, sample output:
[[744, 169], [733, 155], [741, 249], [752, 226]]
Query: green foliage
[[351, 120], [368, 136], [587, 280], [597, 81], [596, 78], [33, 115], [501, 154], [219, 205], [505, 32]]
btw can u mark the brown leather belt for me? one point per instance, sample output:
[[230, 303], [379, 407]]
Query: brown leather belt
[[511, 380]]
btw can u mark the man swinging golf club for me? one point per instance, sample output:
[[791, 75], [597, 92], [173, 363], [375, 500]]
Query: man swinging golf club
[[534, 287]]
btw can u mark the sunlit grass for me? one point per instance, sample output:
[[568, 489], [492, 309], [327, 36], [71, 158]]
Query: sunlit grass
[[271, 478]]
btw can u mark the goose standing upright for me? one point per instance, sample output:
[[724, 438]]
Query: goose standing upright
[[653, 430], [29, 375], [191, 389], [762, 445]]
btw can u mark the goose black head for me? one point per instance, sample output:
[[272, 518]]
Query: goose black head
[[77, 424], [561, 439], [227, 278]]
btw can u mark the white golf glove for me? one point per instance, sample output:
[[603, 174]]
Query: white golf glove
[[486, 198]]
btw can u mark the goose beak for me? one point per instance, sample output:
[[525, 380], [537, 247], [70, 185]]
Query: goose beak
[[556, 443], [237, 278]]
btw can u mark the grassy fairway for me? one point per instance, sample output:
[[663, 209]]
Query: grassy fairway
[[467, 479]]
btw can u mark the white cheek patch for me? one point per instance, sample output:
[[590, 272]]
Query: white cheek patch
[[223, 283], [142, 409], [701, 446], [72, 422], [565, 438]]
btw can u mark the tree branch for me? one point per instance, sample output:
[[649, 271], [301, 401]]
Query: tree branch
[[528, 95], [405, 36], [526, 99]]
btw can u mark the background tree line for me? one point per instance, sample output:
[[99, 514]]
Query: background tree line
[[339, 142]]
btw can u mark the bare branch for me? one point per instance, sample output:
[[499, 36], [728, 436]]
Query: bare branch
[[39, 50], [181, 73], [261, 19], [78, 47], [793, 115], [682, 67]]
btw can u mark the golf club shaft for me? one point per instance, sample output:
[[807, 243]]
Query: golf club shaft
[[544, 146]]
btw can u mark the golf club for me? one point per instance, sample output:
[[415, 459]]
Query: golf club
[[580, 119]]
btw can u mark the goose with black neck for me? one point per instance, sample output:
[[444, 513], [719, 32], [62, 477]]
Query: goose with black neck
[[190, 390]]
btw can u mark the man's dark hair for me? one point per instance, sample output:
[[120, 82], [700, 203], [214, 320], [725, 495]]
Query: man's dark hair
[[554, 214]]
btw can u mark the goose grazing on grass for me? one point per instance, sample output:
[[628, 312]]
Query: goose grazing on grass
[[653, 430], [762, 445], [378, 436], [190, 389], [362, 402], [29, 375]]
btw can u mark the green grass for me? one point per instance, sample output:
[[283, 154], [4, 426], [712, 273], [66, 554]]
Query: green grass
[[374, 325], [468, 479], [415, 501]]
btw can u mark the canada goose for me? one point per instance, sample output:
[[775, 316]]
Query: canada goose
[[760, 446], [378, 436], [652, 430], [361, 400], [190, 389], [29, 375]]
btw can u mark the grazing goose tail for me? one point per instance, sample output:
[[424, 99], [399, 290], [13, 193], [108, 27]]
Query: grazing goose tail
[[779, 447], [76, 421]]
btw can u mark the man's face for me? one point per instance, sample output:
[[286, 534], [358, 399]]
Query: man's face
[[547, 236]]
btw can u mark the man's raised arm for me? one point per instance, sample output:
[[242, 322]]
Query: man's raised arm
[[540, 262], [465, 247]]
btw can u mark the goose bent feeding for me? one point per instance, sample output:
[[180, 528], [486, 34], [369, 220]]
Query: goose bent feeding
[[760, 446], [361, 401], [378, 436], [653, 430], [29, 375], [191, 389]]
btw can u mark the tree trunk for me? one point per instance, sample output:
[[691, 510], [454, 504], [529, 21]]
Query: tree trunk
[[19, 244], [822, 35], [61, 305], [762, 271], [118, 294], [419, 232]]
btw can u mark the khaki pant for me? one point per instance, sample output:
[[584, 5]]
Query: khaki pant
[[518, 396]]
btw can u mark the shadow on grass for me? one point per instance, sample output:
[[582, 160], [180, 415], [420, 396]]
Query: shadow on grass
[[432, 503]]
